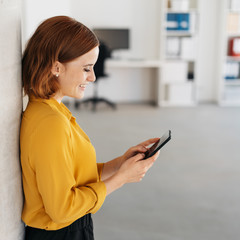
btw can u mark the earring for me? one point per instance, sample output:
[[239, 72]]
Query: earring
[[57, 75]]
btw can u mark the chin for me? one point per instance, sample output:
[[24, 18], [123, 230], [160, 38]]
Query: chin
[[79, 96], [76, 95]]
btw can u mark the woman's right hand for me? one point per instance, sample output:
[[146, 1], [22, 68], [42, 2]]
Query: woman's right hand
[[131, 170], [135, 168]]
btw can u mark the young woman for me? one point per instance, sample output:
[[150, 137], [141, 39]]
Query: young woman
[[63, 184]]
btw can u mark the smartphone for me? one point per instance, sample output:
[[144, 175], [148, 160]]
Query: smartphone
[[158, 145]]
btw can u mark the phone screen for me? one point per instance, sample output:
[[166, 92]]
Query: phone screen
[[158, 145]]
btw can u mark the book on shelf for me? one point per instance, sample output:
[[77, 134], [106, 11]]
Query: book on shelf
[[233, 23], [178, 21], [188, 48], [181, 22], [179, 5], [234, 47], [231, 70], [181, 47], [173, 46]]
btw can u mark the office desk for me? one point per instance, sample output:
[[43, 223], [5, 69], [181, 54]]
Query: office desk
[[112, 63], [155, 65]]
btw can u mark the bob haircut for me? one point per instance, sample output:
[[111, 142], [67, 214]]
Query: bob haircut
[[59, 38]]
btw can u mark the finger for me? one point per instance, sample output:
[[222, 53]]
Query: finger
[[149, 141], [152, 159], [155, 156], [139, 148], [142, 176], [138, 157]]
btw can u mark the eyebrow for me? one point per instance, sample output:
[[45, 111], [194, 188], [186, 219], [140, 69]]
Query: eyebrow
[[88, 65]]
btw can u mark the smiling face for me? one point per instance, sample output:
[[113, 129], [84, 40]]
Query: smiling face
[[75, 75]]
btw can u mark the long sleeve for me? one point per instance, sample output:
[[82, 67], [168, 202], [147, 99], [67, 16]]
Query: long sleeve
[[57, 175], [100, 168]]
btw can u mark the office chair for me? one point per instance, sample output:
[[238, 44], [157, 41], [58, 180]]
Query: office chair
[[99, 73]]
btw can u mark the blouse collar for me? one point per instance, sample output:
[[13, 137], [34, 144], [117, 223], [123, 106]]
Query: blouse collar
[[53, 103]]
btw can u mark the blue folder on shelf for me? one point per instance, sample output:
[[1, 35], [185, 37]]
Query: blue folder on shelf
[[231, 70], [178, 22]]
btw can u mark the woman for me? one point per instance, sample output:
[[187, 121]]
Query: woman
[[63, 184]]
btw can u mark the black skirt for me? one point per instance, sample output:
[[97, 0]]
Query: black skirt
[[81, 229]]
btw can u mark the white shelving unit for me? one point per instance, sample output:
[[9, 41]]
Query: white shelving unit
[[178, 53], [229, 77]]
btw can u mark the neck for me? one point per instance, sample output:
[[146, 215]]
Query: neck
[[58, 98]]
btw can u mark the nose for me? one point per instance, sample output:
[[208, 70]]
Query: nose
[[91, 77]]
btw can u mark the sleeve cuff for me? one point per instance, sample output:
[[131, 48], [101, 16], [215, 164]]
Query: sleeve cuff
[[100, 192], [100, 168]]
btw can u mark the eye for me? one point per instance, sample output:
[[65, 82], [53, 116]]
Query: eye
[[86, 70]]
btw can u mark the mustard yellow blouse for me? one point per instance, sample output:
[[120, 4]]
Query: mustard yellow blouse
[[61, 179]]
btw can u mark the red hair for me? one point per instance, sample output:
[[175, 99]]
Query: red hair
[[59, 38]]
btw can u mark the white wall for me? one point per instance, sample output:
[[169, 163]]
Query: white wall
[[11, 197], [207, 54], [35, 11]]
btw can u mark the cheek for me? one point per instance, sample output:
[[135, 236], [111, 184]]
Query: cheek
[[73, 77], [78, 77]]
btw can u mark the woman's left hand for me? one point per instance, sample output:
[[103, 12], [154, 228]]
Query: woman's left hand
[[140, 148]]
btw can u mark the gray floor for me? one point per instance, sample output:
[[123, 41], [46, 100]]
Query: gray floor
[[193, 190]]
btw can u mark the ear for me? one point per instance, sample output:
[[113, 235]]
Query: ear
[[57, 68]]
